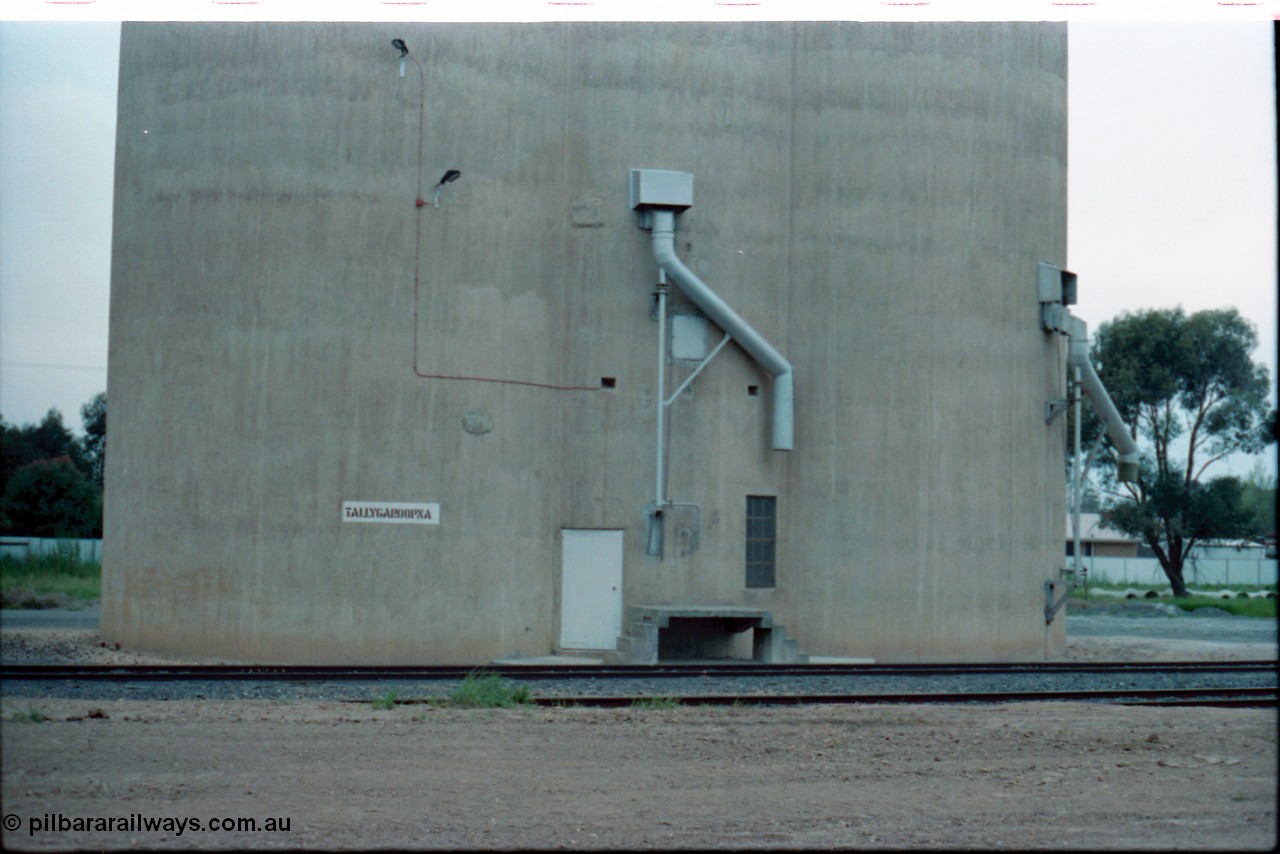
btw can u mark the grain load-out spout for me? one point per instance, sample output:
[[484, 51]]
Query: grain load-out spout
[[1057, 291], [658, 195], [1126, 447]]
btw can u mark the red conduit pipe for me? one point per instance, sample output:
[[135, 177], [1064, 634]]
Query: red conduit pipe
[[420, 203]]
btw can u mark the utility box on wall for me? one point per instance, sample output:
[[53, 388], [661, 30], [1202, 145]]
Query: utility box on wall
[[661, 188]]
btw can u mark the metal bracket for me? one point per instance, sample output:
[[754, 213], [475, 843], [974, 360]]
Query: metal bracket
[[1051, 608], [1054, 408], [706, 361]]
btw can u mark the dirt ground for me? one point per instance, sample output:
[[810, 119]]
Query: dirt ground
[[346, 776]]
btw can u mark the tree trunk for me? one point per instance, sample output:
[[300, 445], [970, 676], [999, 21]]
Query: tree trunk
[[1174, 574], [1175, 580], [1171, 562]]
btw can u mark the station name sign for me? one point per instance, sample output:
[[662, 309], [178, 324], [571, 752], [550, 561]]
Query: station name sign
[[391, 512]]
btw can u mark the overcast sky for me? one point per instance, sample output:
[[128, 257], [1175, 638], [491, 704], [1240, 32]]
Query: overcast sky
[[1172, 187]]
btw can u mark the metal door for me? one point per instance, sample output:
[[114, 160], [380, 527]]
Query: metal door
[[591, 589]]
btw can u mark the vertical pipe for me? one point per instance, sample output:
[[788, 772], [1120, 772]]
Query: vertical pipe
[[660, 489], [1075, 475]]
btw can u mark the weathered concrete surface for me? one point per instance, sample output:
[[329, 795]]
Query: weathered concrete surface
[[872, 198]]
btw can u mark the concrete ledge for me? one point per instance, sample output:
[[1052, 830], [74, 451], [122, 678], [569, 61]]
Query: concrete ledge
[[545, 660], [660, 615], [701, 631]]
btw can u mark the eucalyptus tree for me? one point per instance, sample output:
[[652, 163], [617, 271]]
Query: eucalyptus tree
[[1191, 394]]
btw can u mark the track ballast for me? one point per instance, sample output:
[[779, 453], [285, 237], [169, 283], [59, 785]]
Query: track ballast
[[1251, 683]]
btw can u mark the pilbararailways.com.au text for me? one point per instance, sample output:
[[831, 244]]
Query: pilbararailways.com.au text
[[139, 823]]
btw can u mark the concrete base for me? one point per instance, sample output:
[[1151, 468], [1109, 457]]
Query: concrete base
[[683, 632], [548, 660]]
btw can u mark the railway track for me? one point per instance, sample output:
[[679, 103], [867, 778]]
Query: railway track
[[341, 673], [1221, 697], [687, 684]]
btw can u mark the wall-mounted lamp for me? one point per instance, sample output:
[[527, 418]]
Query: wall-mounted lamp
[[447, 178], [399, 45]]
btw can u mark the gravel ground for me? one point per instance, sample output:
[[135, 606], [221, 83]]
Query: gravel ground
[[1043, 776], [588, 686], [343, 776]]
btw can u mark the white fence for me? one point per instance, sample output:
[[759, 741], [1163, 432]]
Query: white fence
[[21, 547], [1116, 570], [1146, 570]]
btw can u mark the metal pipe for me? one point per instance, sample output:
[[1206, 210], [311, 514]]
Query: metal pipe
[[1076, 468], [663, 224], [1078, 358], [660, 490]]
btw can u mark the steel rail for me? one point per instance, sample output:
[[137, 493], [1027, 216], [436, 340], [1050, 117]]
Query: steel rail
[[344, 673], [1232, 697]]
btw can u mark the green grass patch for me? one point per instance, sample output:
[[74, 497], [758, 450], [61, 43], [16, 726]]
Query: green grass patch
[[32, 715], [386, 701], [1237, 607], [58, 579], [481, 690]]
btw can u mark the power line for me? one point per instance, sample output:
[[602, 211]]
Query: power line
[[52, 367]]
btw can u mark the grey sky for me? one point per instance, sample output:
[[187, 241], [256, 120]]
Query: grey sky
[[1172, 189], [57, 149]]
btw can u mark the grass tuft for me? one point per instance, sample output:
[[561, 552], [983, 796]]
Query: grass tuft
[[488, 691], [386, 701], [31, 716]]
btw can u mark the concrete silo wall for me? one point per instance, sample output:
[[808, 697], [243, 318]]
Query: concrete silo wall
[[872, 198]]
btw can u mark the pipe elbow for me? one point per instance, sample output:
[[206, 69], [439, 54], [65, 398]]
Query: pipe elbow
[[664, 251]]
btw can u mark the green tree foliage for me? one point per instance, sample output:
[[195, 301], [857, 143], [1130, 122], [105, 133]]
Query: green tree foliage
[[94, 416], [1259, 497], [1178, 378], [48, 440], [49, 478], [52, 498]]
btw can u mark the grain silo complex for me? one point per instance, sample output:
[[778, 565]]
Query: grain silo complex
[[635, 340]]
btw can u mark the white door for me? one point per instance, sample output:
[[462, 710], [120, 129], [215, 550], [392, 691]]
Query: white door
[[591, 589]]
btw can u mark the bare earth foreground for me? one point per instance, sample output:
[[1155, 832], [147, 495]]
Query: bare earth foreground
[[345, 776]]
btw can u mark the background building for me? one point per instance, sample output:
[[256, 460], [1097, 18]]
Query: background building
[[301, 337]]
